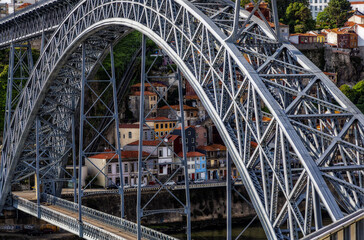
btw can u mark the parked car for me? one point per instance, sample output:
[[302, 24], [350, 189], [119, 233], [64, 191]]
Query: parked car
[[170, 183], [199, 181]]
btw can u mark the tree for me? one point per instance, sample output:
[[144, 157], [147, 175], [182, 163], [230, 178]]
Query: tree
[[3, 84], [298, 17], [335, 15], [349, 92]]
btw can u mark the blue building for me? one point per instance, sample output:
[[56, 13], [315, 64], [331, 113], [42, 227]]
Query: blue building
[[196, 164]]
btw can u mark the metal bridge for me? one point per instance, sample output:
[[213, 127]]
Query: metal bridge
[[240, 68]]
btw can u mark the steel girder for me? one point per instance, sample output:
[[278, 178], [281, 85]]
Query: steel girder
[[307, 121], [31, 22]]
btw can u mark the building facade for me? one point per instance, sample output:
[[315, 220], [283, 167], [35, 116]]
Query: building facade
[[150, 101], [317, 6], [161, 125], [190, 134], [130, 133]]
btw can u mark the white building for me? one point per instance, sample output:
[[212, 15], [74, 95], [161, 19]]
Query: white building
[[164, 153], [317, 6], [357, 6]]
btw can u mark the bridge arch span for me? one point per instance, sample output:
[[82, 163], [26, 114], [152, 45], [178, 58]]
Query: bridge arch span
[[227, 78]]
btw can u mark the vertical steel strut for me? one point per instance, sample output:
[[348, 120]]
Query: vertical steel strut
[[140, 149]]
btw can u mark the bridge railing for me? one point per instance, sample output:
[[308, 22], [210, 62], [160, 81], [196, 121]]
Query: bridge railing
[[105, 218], [62, 220]]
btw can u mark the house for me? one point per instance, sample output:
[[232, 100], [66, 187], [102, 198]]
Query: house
[[163, 151], [263, 7], [161, 125], [69, 170], [320, 35], [190, 113], [357, 18], [108, 164], [130, 133], [151, 87], [215, 160], [283, 29], [357, 6], [359, 30], [317, 6], [4, 9], [150, 101], [196, 165], [201, 135], [342, 38], [302, 38], [190, 134]]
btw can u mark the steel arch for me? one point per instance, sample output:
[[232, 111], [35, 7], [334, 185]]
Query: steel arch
[[203, 51]]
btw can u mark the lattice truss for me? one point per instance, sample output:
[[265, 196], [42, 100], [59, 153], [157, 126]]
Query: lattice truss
[[309, 136]]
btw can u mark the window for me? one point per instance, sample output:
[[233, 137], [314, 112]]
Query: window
[[126, 167], [161, 126], [169, 152], [203, 165], [189, 133], [130, 135], [193, 166], [192, 140], [170, 125], [157, 126], [124, 136], [126, 181], [188, 166], [166, 125], [157, 133], [205, 134], [109, 168], [160, 153], [117, 169], [186, 140], [197, 166]]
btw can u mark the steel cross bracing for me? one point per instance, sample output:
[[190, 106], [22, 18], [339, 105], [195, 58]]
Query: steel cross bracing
[[31, 22], [255, 89]]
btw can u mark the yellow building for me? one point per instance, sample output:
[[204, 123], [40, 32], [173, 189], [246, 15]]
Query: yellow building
[[161, 125]]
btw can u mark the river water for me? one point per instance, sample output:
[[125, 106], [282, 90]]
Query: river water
[[253, 233]]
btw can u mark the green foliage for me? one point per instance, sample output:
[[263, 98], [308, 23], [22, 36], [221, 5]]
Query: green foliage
[[298, 17], [355, 94], [3, 84], [334, 15]]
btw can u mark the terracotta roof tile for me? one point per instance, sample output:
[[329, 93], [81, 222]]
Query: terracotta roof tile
[[145, 143], [176, 107], [146, 93], [124, 154], [161, 119], [192, 154]]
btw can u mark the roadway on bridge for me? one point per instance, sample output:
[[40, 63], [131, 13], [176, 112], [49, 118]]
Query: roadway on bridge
[[31, 196]]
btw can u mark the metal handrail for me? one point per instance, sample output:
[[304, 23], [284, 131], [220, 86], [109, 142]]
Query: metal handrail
[[105, 218]]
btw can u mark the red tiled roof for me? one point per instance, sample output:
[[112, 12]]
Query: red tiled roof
[[192, 97], [145, 143], [356, 3], [148, 85], [219, 147], [160, 119], [192, 154], [253, 144], [186, 127], [124, 154], [176, 107], [24, 5], [303, 34], [146, 93], [172, 137]]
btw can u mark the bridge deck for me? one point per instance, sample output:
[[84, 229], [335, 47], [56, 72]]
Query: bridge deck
[[31, 196]]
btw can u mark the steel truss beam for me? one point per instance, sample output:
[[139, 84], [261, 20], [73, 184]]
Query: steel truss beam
[[252, 89]]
